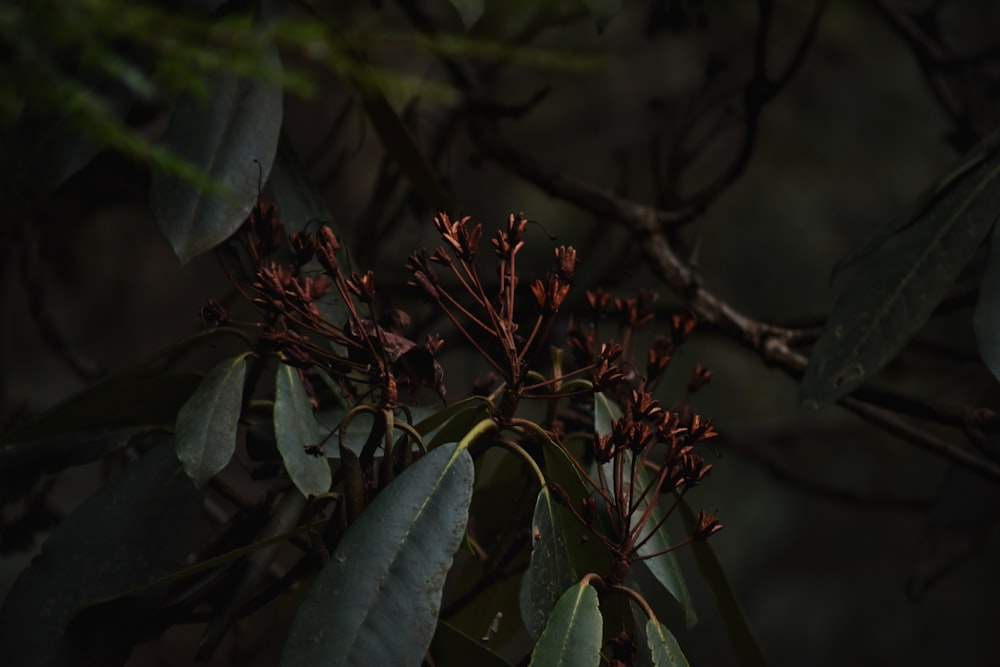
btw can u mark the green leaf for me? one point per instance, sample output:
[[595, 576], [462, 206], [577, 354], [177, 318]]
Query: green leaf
[[572, 637], [285, 516], [376, 601], [986, 318], [741, 637], [965, 509], [913, 212], [206, 425], [663, 646], [453, 648], [296, 429], [469, 11], [131, 532], [895, 288], [586, 554], [458, 422], [549, 572], [605, 412], [665, 567], [233, 138]]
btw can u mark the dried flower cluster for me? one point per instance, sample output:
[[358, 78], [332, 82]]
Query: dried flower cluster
[[290, 290], [480, 317], [649, 452]]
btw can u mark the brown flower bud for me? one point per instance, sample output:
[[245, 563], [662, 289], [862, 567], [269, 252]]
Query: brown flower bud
[[566, 262], [706, 525], [303, 246], [363, 286], [699, 378]]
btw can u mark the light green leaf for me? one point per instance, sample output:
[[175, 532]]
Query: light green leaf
[[741, 636], [296, 429], [549, 572], [895, 288], [376, 601], [132, 531], [206, 425], [572, 637], [223, 136], [663, 646], [605, 413], [469, 11]]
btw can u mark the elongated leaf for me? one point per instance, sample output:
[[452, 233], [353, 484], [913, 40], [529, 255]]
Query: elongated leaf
[[741, 636], [223, 136], [965, 510], [376, 601], [894, 290], [130, 533], [453, 648], [550, 573], [665, 567], [918, 208], [206, 425], [285, 517], [986, 318], [572, 637], [586, 554], [663, 646], [296, 430]]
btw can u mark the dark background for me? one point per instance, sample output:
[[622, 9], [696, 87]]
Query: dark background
[[824, 514]]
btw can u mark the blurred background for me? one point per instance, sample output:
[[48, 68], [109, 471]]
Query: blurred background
[[843, 543]]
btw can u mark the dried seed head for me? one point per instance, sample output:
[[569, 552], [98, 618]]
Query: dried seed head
[[699, 378], [550, 294], [604, 448], [658, 358], [599, 301], [326, 250], [363, 286], [566, 263], [457, 234], [706, 525], [683, 325], [424, 275], [303, 247]]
